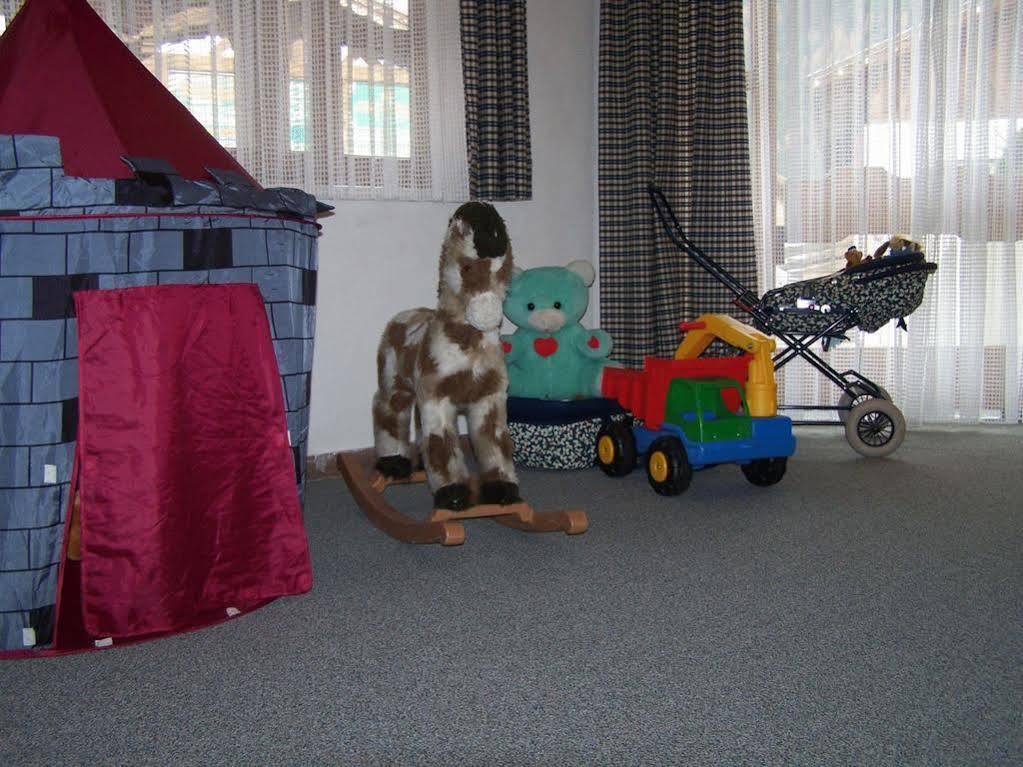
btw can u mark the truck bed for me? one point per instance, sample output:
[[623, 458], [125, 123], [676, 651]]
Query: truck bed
[[643, 392]]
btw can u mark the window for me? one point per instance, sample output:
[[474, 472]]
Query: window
[[200, 73], [377, 115], [378, 111], [341, 98], [879, 117], [296, 96], [363, 79], [393, 14]]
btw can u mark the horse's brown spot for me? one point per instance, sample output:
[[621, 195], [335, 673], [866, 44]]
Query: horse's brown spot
[[384, 419], [487, 385], [488, 427], [504, 274], [427, 364], [395, 335], [464, 387], [401, 399], [438, 451], [455, 387], [407, 363], [496, 429], [465, 336], [506, 445], [476, 277]]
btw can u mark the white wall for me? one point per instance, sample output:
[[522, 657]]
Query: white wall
[[378, 258]]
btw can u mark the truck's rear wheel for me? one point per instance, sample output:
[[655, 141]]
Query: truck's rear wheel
[[616, 449], [764, 472], [667, 466]]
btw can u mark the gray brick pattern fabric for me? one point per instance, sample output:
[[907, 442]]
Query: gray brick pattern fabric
[[59, 235], [672, 110], [496, 83]]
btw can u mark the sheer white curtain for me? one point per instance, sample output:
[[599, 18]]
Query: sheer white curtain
[[341, 98], [870, 118]]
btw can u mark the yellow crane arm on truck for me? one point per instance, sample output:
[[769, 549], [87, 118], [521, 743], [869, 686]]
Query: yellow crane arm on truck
[[761, 389]]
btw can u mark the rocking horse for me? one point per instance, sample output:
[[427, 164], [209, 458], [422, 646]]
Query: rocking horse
[[440, 363]]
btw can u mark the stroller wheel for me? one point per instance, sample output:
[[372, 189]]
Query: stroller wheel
[[875, 428], [845, 401]]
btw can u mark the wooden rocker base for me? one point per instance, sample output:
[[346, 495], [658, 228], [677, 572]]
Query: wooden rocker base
[[367, 486]]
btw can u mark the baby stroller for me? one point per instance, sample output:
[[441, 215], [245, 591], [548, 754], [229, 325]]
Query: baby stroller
[[800, 314]]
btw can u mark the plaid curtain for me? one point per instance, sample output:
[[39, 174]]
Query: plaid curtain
[[672, 110], [496, 99]]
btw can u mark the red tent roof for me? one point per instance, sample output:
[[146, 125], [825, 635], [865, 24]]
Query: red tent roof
[[64, 73]]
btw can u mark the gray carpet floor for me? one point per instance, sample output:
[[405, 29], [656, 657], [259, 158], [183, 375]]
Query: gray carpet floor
[[860, 612]]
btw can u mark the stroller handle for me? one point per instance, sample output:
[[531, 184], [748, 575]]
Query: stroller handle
[[747, 299]]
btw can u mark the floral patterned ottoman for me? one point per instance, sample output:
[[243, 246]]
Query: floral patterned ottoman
[[550, 434]]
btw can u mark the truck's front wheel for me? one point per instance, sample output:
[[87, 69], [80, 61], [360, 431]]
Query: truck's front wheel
[[667, 467]]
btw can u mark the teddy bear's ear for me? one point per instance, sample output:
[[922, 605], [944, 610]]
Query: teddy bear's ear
[[584, 270]]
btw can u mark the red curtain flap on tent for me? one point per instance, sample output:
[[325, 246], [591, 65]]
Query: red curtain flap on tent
[[64, 73], [189, 505]]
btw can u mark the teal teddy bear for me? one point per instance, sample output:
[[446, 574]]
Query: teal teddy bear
[[551, 355]]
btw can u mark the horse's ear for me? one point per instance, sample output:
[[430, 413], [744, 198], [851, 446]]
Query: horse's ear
[[459, 227]]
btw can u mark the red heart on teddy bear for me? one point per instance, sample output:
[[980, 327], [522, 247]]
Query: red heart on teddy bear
[[545, 347]]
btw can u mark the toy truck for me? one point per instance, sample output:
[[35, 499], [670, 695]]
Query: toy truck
[[693, 413]]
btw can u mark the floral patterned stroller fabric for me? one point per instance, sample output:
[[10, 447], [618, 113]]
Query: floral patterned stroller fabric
[[870, 294]]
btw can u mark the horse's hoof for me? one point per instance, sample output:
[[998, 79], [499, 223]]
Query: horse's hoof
[[452, 497], [499, 492], [394, 466]]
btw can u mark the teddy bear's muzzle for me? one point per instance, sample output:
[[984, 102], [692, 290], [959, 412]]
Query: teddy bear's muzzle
[[547, 320]]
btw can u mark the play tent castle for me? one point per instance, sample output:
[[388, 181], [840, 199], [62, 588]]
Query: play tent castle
[[107, 183]]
